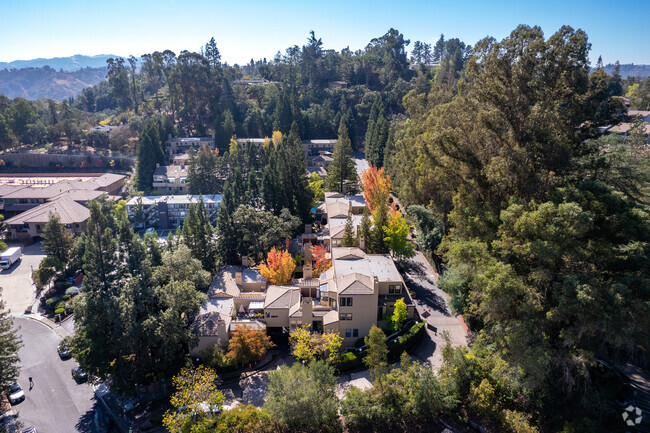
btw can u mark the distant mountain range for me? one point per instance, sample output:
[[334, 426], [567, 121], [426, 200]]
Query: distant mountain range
[[48, 83], [72, 63], [630, 70]]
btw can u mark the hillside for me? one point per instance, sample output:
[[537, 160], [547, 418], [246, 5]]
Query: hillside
[[630, 70], [46, 82], [72, 63]]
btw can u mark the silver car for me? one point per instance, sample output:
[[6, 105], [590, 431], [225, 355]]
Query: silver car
[[16, 394]]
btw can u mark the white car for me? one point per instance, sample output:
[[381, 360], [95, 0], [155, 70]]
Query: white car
[[16, 394], [149, 230]]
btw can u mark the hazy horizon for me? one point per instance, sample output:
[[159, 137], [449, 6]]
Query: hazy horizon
[[255, 30]]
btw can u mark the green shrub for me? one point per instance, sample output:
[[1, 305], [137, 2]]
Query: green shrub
[[59, 311], [407, 341], [60, 305], [350, 361], [52, 301], [66, 297]]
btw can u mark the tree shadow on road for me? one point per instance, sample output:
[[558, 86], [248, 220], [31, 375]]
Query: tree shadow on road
[[95, 420], [420, 282]]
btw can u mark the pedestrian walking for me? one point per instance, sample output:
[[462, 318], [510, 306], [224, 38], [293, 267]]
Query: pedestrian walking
[[31, 383]]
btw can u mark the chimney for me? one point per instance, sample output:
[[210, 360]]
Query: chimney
[[238, 278], [362, 242], [169, 136], [307, 272], [306, 308], [157, 164], [307, 252], [244, 260], [308, 229], [375, 285], [222, 332]]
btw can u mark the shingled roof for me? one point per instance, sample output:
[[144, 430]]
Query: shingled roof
[[68, 210]]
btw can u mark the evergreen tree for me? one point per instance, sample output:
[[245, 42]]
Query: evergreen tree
[[148, 153], [227, 234], [224, 128], [365, 229], [282, 115], [378, 244], [616, 82], [377, 133], [198, 235], [341, 173], [56, 239], [10, 342], [299, 195], [349, 240], [202, 171], [252, 189]]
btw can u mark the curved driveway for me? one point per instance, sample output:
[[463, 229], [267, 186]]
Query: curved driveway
[[55, 404]]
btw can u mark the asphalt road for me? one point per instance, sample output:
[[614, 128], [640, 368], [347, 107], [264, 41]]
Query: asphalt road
[[17, 289], [56, 403], [429, 298]]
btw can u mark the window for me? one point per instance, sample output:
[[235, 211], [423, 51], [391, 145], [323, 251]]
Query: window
[[355, 332], [394, 289], [348, 333], [342, 316], [348, 316], [346, 302]]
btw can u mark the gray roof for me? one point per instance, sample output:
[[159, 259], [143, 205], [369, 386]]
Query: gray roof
[[170, 171], [372, 265], [224, 283], [65, 207], [282, 297], [211, 312]]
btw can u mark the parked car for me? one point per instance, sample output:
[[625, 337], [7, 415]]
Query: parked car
[[149, 230], [64, 349], [16, 394], [79, 375], [30, 430]]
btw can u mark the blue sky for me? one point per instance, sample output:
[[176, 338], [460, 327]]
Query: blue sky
[[245, 29]]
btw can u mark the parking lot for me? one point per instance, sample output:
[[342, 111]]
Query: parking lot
[[17, 288], [162, 234]]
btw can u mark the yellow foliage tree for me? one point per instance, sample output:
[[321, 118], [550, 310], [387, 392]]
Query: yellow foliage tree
[[194, 401], [308, 346], [276, 138], [279, 267]]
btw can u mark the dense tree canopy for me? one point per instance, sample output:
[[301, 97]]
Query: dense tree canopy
[[546, 248]]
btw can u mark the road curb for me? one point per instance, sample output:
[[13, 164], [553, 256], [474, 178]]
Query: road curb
[[46, 322]]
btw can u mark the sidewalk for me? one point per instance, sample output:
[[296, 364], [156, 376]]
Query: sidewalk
[[56, 327]]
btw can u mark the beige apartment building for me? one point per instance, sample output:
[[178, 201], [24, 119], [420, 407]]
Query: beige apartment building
[[353, 295]]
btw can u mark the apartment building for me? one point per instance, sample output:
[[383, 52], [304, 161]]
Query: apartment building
[[19, 193], [171, 179], [334, 214], [168, 211], [29, 224], [180, 145]]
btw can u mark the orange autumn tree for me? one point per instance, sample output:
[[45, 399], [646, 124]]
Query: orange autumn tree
[[247, 346], [321, 262], [376, 187], [279, 267]]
